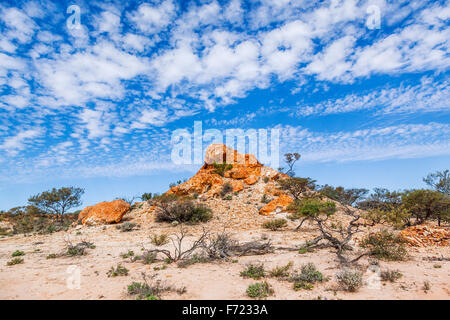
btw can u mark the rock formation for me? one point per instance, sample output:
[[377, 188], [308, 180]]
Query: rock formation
[[225, 165], [104, 212]]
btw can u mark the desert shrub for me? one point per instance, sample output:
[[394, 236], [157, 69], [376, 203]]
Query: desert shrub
[[14, 261], [195, 258], [117, 271], [52, 256], [150, 290], [126, 226], [304, 250], [426, 286], [79, 249], [266, 179], [265, 199], [228, 197], [385, 245], [349, 280], [30, 219], [226, 189], [259, 290], [148, 257], [221, 168], [390, 275], [302, 285], [281, 272], [127, 254], [308, 273], [159, 240], [275, 224], [172, 208], [254, 271], [18, 253]]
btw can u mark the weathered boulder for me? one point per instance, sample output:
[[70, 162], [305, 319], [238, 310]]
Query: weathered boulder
[[251, 180], [104, 212], [280, 203]]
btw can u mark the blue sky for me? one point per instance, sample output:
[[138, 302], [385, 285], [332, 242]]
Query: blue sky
[[95, 106]]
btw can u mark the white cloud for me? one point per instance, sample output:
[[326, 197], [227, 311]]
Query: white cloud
[[13, 144], [401, 141], [152, 18]]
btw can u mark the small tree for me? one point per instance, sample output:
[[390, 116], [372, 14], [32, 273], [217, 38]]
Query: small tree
[[57, 201], [297, 187], [338, 235], [146, 196], [426, 204], [291, 159], [440, 181]]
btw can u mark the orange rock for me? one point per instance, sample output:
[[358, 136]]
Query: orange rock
[[421, 236], [251, 180], [279, 203], [270, 188], [104, 212], [238, 185]]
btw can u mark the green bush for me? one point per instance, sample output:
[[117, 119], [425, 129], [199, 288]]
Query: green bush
[[172, 208], [117, 271], [18, 253], [302, 285], [385, 245], [254, 271], [281, 272], [159, 240], [275, 224], [259, 290], [126, 226], [308, 273], [390, 275], [147, 257], [127, 254], [14, 261], [193, 260], [52, 256], [349, 280], [226, 189], [221, 168]]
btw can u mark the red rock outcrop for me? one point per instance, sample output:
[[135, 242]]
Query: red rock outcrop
[[104, 212], [281, 203], [208, 181], [423, 236]]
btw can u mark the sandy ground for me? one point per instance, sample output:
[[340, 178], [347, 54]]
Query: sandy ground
[[41, 278]]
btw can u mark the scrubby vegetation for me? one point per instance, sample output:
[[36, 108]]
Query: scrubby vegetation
[[126, 226], [221, 168], [259, 290], [226, 189], [181, 209], [18, 253], [281, 272], [119, 270], [385, 245], [78, 249], [390, 275], [150, 289], [275, 224], [14, 261], [349, 280], [308, 276], [254, 271], [159, 240]]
